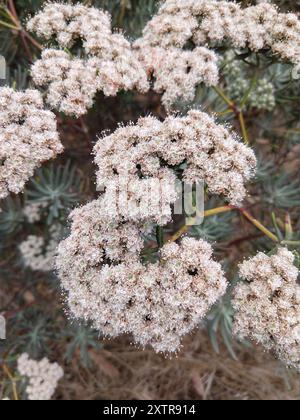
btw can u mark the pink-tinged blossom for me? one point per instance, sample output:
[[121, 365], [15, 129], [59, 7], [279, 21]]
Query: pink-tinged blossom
[[267, 305], [28, 137]]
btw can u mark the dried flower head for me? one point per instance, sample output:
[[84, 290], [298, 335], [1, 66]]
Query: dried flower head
[[28, 137], [43, 377], [188, 25], [107, 65], [267, 305], [210, 152], [106, 284]]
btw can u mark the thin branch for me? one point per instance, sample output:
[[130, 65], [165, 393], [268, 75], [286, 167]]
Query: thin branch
[[9, 26], [182, 231], [243, 127], [13, 382], [225, 209], [225, 98], [238, 112], [259, 225]]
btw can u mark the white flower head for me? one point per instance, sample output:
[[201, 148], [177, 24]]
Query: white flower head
[[107, 285], [28, 137], [210, 151], [267, 305], [175, 46], [42, 376], [108, 64]]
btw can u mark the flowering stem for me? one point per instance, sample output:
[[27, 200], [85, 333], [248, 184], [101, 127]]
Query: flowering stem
[[288, 227], [238, 112], [218, 210], [8, 25], [160, 236], [226, 112], [259, 225], [13, 382], [225, 98], [225, 209], [292, 243], [124, 4], [182, 231], [243, 127]]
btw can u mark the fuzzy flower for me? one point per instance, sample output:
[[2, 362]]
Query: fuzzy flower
[[37, 253], [108, 64], [32, 211], [43, 377], [267, 305], [181, 27], [67, 23], [28, 137], [107, 285], [262, 95], [210, 153], [177, 73]]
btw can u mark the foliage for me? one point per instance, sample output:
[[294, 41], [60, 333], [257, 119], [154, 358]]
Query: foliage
[[59, 188]]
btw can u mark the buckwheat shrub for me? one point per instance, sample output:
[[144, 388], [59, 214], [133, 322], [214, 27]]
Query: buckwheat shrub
[[107, 64], [267, 305], [209, 151], [188, 25], [107, 285], [43, 377], [28, 137]]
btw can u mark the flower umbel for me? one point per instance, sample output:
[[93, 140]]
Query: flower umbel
[[28, 137], [43, 377], [108, 63], [267, 305]]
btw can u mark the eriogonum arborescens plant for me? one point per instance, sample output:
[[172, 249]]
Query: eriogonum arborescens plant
[[130, 263]]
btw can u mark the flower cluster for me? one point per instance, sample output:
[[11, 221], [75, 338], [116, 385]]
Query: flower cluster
[[67, 23], [28, 137], [267, 305], [99, 265], [188, 25], [108, 64], [177, 73], [262, 93], [43, 377], [37, 253], [32, 211], [208, 150]]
